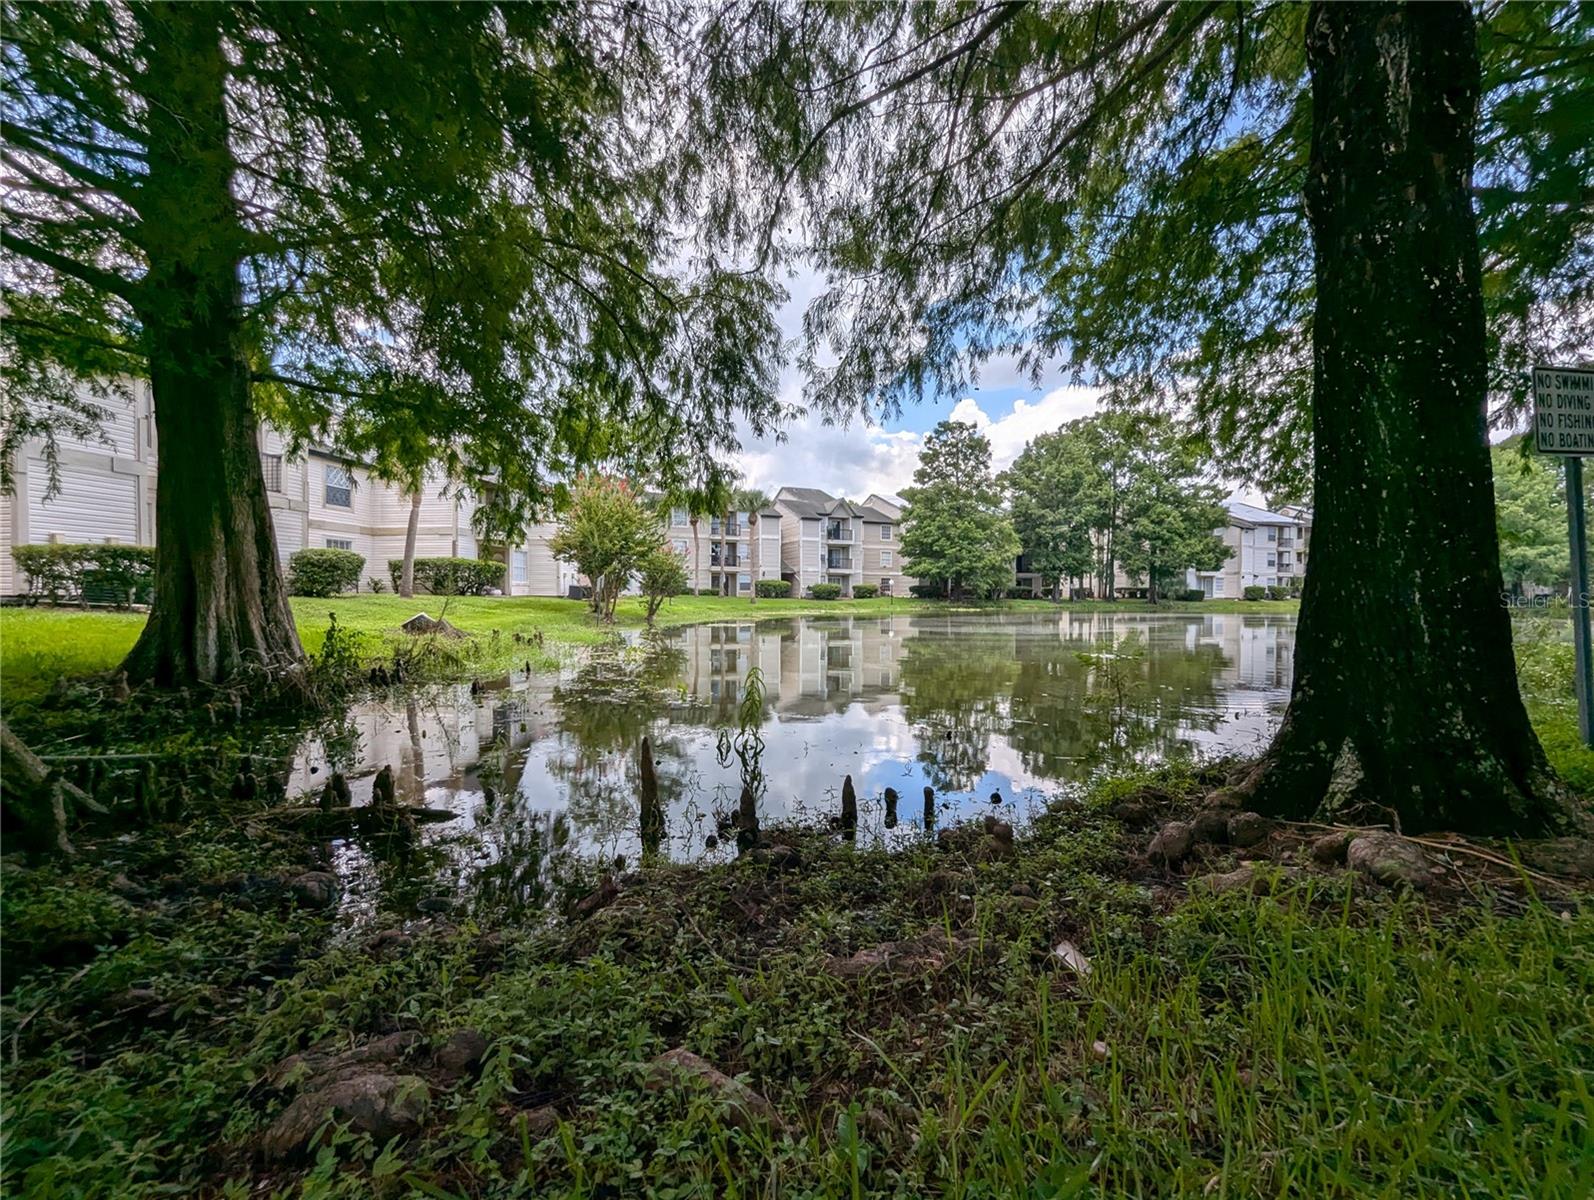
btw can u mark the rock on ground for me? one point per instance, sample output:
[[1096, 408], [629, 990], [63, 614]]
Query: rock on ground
[[374, 1102], [1248, 829], [1253, 878], [1172, 843], [463, 1051], [1389, 858], [680, 1066], [1330, 848], [315, 889]]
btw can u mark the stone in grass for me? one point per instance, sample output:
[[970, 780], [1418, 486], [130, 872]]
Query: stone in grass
[[463, 1051], [374, 1102], [1256, 878], [1211, 825], [1172, 843], [680, 1067], [421, 624], [1248, 829], [314, 889], [1390, 859], [539, 1122], [1329, 849]]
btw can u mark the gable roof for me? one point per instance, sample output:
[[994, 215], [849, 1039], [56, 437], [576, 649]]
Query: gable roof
[[815, 504], [1249, 516]]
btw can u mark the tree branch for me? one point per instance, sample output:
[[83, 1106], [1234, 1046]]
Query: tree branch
[[96, 277]]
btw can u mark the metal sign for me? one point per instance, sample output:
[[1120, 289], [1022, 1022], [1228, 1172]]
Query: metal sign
[[1563, 410], [1563, 423]]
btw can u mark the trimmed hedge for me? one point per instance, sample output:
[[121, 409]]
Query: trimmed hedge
[[865, 591], [773, 589], [324, 571], [88, 574], [825, 591], [450, 576], [1254, 592], [1278, 593], [1191, 594], [927, 591]]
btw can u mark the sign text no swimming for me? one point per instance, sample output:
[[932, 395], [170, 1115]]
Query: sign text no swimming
[[1563, 410]]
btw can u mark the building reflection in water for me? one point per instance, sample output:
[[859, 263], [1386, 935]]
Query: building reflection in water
[[545, 765]]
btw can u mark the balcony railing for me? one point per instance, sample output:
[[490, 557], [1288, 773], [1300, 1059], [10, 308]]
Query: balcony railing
[[838, 562], [838, 533]]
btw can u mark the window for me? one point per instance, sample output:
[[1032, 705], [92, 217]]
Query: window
[[885, 533], [519, 571], [1217, 587], [1270, 561], [271, 468], [340, 543], [744, 583], [680, 545], [1272, 534], [339, 486], [885, 558], [677, 516], [885, 586]]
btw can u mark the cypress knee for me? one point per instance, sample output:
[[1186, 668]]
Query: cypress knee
[[891, 808], [747, 820], [929, 808], [849, 809], [652, 814]]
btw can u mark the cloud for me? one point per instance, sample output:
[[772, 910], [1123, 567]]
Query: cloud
[[854, 460]]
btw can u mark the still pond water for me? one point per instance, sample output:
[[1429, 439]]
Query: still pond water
[[543, 767]]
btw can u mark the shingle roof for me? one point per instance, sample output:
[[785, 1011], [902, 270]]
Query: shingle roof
[[1249, 516], [811, 502]]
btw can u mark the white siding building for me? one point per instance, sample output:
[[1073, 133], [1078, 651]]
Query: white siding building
[[318, 499], [1266, 549]]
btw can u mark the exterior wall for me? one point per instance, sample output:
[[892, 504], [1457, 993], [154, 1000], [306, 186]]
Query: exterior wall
[[106, 485], [1262, 554], [801, 552], [881, 550], [107, 494], [767, 546]]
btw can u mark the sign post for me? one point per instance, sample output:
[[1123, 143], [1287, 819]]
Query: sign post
[[1563, 423]]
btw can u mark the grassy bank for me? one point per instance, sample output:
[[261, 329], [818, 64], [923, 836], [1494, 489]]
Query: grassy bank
[[38, 645], [1323, 1038]]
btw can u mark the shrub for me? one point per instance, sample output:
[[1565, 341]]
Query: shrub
[[927, 591], [708, 591], [773, 589], [662, 574], [324, 572], [1254, 593], [825, 591], [377, 584], [1278, 593], [1191, 594], [450, 576], [865, 591], [91, 574]]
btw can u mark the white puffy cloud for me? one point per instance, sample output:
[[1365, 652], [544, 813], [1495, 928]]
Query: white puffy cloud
[[857, 459]]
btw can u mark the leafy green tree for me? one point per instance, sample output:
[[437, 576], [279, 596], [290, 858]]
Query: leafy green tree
[[436, 234], [1530, 511], [1050, 491], [608, 532], [1268, 217], [954, 531], [661, 575]]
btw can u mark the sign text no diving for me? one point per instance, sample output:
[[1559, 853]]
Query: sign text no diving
[[1563, 410]]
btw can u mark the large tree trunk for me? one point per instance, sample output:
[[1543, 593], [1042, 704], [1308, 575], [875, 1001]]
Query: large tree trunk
[[220, 608], [1405, 697], [407, 574]]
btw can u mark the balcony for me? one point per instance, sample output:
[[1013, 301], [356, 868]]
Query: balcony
[[838, 532], [838, 562]]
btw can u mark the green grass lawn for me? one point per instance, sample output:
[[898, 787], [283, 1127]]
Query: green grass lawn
[[37, 645]]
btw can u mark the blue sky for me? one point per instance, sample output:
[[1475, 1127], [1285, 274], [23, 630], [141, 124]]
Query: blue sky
[[858, 459]]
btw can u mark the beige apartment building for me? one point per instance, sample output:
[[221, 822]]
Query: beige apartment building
[[727, 554], [317, 499], [826, 539], [1266, 549]]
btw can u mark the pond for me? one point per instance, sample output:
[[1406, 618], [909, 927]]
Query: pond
[[544, 767]]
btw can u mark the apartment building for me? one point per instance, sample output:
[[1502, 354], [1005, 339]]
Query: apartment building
[[826, 539], [1266, 549], [728, 553], [317, 499]]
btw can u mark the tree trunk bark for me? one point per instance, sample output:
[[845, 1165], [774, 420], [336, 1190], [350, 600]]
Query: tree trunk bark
[[407, 575], [1405, 696], [220, 608]]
